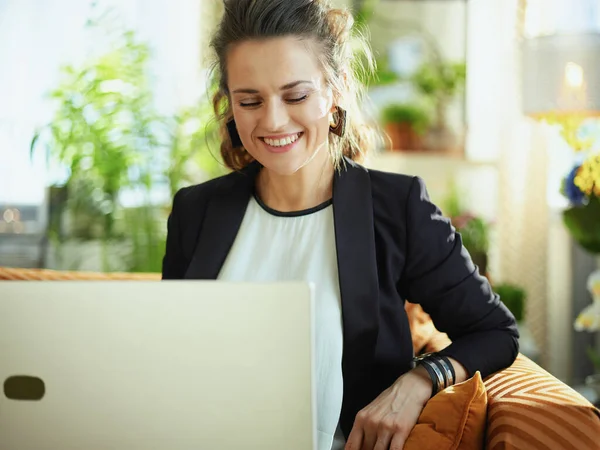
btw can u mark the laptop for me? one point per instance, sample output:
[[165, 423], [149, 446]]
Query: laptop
[[171, 365]]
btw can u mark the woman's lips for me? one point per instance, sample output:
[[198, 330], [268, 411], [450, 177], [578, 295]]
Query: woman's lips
[[281, 143]]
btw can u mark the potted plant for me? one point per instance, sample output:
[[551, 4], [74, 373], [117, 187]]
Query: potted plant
[[108, 136], [440, 82], [513, 296], [405, 124], [581, 187]]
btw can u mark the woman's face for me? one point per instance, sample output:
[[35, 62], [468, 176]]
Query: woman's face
[[281, 103]]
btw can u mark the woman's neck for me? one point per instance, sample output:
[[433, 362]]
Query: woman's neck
[[304, 189]]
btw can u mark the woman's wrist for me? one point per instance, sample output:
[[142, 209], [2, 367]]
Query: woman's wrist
[[422, 384], [442, 371]]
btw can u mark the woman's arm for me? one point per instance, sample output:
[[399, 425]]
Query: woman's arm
[[440, 275]]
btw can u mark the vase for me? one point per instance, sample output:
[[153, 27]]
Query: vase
[[403, 137]]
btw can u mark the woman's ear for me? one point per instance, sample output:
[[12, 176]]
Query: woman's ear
[[337, 91]]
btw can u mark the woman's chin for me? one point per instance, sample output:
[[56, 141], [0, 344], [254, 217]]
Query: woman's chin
[[284, 165], [282, 169]]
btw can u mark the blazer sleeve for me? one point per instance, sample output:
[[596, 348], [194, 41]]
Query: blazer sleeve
[[440, 275], [174, 263]]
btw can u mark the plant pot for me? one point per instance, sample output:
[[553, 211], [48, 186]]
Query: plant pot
[[442, 139], [403, 137]]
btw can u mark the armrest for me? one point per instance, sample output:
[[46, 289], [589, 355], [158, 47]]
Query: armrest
[[529, 409], [12, 273]]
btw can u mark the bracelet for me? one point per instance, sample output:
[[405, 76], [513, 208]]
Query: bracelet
[[436, 375], [440, 371], [449, 370]]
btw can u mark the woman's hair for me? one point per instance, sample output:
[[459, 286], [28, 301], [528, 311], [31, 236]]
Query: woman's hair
[[343, 57]]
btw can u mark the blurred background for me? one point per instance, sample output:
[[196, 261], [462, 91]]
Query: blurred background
[[105, 113]]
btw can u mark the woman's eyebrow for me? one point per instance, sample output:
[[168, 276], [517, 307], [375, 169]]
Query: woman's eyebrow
[[285, 87]]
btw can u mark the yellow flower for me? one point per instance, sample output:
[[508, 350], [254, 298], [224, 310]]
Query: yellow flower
[[569, 129], [588, 176]]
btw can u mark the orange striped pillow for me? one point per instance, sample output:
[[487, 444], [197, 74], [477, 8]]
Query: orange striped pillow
[[529, 409]]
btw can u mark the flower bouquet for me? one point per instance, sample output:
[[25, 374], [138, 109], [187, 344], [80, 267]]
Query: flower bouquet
[[582, 188]]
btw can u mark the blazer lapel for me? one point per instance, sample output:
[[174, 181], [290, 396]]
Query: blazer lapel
[[357, 266], [222, 219]]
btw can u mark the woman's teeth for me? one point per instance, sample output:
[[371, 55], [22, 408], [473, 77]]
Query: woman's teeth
[[281, 142]]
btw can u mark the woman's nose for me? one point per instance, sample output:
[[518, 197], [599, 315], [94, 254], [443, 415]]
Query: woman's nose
[[275, 116]]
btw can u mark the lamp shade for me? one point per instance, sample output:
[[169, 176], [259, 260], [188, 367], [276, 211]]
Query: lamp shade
[[561, 75]]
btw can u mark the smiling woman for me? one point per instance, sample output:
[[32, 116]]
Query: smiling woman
[[298, 207], [284, 127]]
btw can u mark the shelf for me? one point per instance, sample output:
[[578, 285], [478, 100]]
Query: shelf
[[394, 160], [477, 181]]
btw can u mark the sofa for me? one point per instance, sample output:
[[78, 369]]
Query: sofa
[[526, 408]]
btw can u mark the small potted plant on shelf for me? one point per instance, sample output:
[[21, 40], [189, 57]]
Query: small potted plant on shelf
[[440, 82], [405, 124]]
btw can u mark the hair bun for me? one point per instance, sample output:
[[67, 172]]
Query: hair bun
[[340, 23]]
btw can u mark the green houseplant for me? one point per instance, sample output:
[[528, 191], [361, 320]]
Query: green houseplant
[[513, 296], [581, 186], [405, 124], [440, 82], [108, 136]]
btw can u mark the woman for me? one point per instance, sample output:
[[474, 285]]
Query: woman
[[297, 206]]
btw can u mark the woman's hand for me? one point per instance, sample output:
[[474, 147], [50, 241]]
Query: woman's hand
[[386, 423]]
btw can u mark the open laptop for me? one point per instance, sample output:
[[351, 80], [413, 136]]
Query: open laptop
[[156, 365]]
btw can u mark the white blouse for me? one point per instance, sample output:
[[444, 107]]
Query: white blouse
[[299, 246]]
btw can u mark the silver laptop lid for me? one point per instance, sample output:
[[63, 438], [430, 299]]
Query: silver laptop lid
[[156, 365]]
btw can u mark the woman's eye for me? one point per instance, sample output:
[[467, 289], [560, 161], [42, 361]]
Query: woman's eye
[[297, 99], [249, 104]]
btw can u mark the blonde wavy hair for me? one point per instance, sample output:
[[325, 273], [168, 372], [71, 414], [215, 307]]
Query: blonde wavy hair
[[343, 53]]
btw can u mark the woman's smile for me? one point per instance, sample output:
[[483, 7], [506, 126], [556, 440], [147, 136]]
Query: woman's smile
[[281, 143]]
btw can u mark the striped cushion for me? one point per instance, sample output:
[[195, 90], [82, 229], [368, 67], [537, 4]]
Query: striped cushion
[[529, 409]]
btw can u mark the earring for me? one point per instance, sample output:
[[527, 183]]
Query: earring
[[338, 127], [234, 136]]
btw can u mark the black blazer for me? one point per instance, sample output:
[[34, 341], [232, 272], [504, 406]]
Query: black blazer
[[392, 245]]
